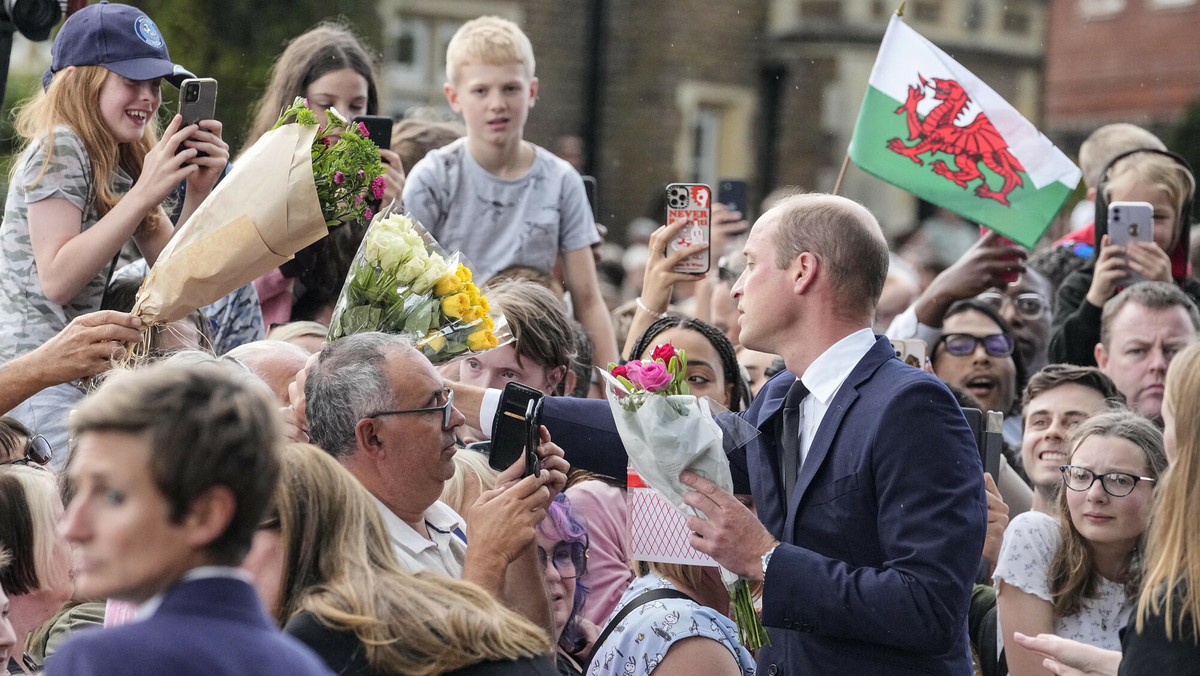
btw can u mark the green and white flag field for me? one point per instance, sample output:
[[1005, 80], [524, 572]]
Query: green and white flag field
[[931, 127]]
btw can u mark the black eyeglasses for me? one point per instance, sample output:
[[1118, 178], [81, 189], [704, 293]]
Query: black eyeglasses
[[446, 409], [1029, 306], [570, 559], [964, 344], [37, 451], [1116, 484]]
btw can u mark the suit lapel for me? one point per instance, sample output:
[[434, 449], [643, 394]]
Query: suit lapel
[[831, 423]]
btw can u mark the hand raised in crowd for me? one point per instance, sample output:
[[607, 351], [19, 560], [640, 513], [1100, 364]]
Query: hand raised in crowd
[[660, 279], [552, 461], [731, 533], [997, 521], [393, 177], [1112, 268], [293, 430], [986, 265], [297, 398], [88, 345], [212, 156], [726, 226], [1149, 261], [1071, 658], [164, 168], [501, 521]]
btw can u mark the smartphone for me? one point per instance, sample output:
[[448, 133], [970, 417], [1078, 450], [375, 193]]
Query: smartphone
[[1130, 222], [732, 194], [589, 187], [690, 200], [379, 129], [911, 351], [197, 101], [989, 437], [516, 430], [1009, 278]]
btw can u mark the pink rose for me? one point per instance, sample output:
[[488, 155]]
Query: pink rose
[[653, 377], [632, 367]]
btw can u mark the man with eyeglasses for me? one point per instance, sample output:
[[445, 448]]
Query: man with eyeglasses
[[982, 273], [377, 405]]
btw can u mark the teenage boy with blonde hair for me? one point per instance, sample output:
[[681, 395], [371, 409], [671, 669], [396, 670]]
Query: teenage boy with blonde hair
[[498, 198]]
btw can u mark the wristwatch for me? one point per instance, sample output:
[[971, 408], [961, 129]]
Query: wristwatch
[[766, 560]]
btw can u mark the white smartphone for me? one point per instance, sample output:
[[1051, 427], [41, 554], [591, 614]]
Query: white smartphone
[[1130, 222], [911, 351]]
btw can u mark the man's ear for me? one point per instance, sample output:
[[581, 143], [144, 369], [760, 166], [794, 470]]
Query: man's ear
[[804, 271], [366, 434], [533, 90], [452, 97], [1101, 358], [209, 516], [556, 375]]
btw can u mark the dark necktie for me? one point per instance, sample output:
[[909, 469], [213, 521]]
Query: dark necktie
[[789, 438]]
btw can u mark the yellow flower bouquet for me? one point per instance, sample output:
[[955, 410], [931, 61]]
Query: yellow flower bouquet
[[402, 281]]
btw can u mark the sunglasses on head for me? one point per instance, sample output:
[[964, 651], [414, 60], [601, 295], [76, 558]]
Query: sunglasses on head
[[964, 344], [37, 451]]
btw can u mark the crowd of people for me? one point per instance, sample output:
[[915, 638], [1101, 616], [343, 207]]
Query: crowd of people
[[249, 498]]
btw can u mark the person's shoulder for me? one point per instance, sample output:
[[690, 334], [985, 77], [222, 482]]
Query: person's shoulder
[[549, 159], [439, 161], [1033, 525]]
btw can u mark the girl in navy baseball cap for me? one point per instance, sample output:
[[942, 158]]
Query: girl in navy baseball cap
[[92, 175]]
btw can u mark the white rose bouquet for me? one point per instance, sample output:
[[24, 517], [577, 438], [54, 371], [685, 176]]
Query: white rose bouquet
[[402, 281]]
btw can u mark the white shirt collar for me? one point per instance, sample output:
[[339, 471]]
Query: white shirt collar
[[827, 372]]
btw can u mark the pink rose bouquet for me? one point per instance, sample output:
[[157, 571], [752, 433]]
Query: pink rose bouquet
[[666, 430]]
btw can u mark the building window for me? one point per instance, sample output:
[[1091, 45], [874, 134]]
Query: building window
[[821, 9], [1100, 9], [1016, 21], [716, 131], [927, 11]]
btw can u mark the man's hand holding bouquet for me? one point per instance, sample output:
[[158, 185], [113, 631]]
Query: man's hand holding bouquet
[[667, 431]]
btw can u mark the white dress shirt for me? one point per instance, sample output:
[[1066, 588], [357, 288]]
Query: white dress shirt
[[824, 377]]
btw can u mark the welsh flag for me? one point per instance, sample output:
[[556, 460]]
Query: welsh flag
[[931, 127]]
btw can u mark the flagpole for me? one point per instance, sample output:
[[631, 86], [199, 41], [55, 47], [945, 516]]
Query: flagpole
[[837, 185]]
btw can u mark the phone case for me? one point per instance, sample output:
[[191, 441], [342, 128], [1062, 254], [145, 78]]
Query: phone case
[[1130, 222], [732, 194], [692, 200], [911, 351], [379, 129], [515, 428], [197, 99]]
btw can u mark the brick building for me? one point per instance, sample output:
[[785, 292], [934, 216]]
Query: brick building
[[1119, 61], [687, 90]]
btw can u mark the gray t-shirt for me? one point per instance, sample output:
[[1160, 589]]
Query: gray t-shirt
[[27, 317], [500, 222]]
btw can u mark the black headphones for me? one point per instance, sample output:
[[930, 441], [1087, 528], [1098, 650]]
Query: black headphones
[[1101, 215]]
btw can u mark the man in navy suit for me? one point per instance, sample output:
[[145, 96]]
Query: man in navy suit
[[866, 478], [172, 472]]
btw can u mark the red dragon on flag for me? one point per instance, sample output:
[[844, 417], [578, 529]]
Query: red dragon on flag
[[976, 142]]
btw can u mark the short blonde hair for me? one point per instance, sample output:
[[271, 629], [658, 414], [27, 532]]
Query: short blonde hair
[[1161, 171], [471, 470], [488, 40]]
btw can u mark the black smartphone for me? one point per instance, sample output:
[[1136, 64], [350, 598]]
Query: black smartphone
[[589, 187], [379, 129], [197, 101], [989, 437], [516, 430], [732, 193]]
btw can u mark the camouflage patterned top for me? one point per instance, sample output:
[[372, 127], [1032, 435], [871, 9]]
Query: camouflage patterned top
[[27, 317]]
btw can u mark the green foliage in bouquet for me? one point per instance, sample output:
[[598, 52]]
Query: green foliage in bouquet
[[346, 165]]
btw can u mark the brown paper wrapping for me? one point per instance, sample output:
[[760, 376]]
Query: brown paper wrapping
[[256, 218]]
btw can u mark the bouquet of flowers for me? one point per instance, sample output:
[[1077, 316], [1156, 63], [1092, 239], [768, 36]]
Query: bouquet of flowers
[[346, 165], [402, 281], [666, 430], [283, 194]]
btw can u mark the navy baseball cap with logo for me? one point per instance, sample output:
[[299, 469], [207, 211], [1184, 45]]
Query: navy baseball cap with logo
[[120, 38]]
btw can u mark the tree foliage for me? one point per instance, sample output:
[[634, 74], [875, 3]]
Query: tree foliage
[[237, 42], [1186, 139]]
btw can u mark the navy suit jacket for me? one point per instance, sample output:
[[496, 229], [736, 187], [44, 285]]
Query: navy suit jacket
[[205, 627], [882, 538]]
